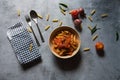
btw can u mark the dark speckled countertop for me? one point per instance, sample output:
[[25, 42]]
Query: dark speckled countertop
[[85, 65]]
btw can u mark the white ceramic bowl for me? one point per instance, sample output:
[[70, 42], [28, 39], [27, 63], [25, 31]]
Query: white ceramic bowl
[[57, 31]]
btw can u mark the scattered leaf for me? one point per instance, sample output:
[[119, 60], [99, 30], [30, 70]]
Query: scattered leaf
[[64, 5], [63, 8], [94, 29], [117, 36]]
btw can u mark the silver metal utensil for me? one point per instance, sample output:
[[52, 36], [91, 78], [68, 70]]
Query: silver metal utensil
[[34, 17], [29, 23]]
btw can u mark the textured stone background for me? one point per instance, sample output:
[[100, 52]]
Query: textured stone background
[[84, 66]]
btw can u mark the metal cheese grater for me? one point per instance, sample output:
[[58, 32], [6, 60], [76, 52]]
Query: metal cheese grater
[[20, 40]]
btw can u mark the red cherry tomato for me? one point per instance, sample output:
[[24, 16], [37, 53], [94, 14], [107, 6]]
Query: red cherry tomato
[[99, 46], [74, 13]]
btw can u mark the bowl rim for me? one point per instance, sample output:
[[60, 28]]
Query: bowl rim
[[75, 52]]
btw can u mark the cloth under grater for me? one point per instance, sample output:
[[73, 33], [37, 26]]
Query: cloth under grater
[[20, 40]]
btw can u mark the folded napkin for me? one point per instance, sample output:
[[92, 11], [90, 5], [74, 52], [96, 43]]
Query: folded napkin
[[22, 43]]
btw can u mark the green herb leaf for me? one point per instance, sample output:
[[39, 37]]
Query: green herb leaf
[[117, 36], [94, 29], [62, 9], [64, 5]]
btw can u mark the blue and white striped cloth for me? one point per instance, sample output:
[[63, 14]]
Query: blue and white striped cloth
[[20, 40]]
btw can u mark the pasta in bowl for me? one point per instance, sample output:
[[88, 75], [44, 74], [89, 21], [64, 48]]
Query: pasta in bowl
[[64, 42]]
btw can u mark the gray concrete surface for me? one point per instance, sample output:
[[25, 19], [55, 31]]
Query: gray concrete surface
[[84, 66]]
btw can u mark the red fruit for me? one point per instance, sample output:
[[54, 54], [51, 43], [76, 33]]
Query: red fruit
[[74, 13], [77, 22], [81, 11], [99, 46]]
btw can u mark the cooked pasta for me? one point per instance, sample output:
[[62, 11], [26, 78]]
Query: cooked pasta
[[65, 43]]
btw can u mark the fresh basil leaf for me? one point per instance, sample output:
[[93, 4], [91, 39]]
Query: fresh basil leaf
[[117, 36], [64, 5], [94, 29], [62, 9]]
